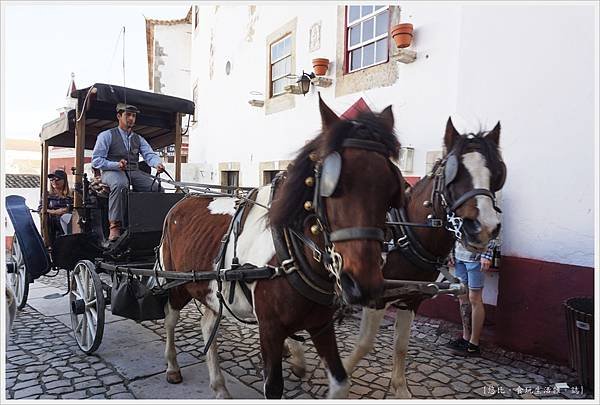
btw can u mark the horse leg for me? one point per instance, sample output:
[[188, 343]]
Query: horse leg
[[173, 371], [296, 357], [271, 348], [217, 381], [404, 320], [369, 326], [325, 343]]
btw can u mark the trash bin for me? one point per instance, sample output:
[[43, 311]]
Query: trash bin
[[580, 331]]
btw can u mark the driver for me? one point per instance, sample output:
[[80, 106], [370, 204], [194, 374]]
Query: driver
[[116, 153]]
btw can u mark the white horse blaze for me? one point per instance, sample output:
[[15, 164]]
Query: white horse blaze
[[480, 174]]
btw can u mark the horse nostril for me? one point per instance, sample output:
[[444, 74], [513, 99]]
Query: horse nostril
[[472, 227]]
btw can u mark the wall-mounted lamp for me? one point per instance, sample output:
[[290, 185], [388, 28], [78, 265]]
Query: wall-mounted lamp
[[304, 82]]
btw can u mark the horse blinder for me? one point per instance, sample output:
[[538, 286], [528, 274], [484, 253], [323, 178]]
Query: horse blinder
[[500, 178], [330, 174], [450, 169]]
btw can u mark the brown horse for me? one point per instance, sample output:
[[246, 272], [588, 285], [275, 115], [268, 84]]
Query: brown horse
[[465, 188], [332, 204]]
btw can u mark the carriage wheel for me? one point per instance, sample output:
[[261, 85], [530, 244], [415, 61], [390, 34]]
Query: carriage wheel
[[86, 299], [19, 280]]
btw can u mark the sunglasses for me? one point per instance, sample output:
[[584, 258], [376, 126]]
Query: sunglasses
[[55, 179]]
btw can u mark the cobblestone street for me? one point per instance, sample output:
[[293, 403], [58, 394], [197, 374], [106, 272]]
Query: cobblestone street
[[43, 360]]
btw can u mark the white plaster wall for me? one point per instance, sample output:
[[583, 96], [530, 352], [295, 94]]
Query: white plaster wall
[[175, 72], [476, 63], [32, 199], [228, 129], [532, 68]]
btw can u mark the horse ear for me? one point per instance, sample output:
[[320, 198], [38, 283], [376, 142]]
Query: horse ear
[[388, 118], [451, 135], [328, 117], [494, 134]]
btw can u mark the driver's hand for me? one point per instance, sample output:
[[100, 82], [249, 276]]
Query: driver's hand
[[485, 264], [123, 164], [160, 168]]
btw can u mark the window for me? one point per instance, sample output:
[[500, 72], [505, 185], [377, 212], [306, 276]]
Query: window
[[281, 64], [367, 30], [230, 178], [268, 176]]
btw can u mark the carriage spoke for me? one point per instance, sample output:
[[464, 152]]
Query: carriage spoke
[[91, 303], [85, 278], [94, 314], [91, 324], [79, 325], [79, 284], [84, 330], [76, 294]]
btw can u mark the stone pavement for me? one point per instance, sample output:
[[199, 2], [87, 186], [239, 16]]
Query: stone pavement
[[43, 360]]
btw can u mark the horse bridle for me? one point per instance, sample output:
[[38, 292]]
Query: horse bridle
[[326, 177], [443, 177]]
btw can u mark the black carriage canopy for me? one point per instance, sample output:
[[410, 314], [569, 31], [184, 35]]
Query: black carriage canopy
[[156, 121]]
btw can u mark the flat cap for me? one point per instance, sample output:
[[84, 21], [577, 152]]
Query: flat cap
[[128, 108]]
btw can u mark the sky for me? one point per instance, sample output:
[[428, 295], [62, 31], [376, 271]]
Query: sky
[[44, 42]]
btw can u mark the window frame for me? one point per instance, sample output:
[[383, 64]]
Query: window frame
[[273, 62], [348, 49]]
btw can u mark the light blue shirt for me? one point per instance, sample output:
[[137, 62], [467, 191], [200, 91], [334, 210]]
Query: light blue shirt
[[102, 146]]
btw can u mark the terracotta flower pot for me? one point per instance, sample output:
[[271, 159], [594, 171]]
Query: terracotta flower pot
[[320, 66], [402, 34]]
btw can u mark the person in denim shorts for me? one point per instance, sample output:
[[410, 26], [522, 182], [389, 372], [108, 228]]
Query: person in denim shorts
[[469, 267]]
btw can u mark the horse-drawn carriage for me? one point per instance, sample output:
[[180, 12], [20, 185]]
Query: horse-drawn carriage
[[34, 255], [296, 250]]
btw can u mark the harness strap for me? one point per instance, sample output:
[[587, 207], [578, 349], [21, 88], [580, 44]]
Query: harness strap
[[365, 144], [410, 246], [470, 194], [317, 253], [357, 233]]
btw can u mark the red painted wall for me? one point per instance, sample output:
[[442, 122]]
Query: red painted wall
[[65, 163], [529, 316]]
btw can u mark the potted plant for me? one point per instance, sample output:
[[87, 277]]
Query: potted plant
[[320, 66], [402, 34]]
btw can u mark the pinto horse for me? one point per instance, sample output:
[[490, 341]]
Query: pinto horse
[[463, 183], [333, 205]]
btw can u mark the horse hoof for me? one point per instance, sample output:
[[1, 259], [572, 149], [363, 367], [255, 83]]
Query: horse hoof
[[174, 377], [403, 394], [224, 394], [298, 371]]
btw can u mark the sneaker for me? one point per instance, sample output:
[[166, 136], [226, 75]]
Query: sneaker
[[459, 344], [473, 350]]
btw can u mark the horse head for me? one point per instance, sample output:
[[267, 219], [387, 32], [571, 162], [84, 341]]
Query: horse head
[[471, 172], [341, 185]]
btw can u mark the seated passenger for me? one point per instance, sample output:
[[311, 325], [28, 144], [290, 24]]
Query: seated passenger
[[60, 204]]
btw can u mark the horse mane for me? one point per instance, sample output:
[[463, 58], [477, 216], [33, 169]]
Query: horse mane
[[476, 141], [288, 206]]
